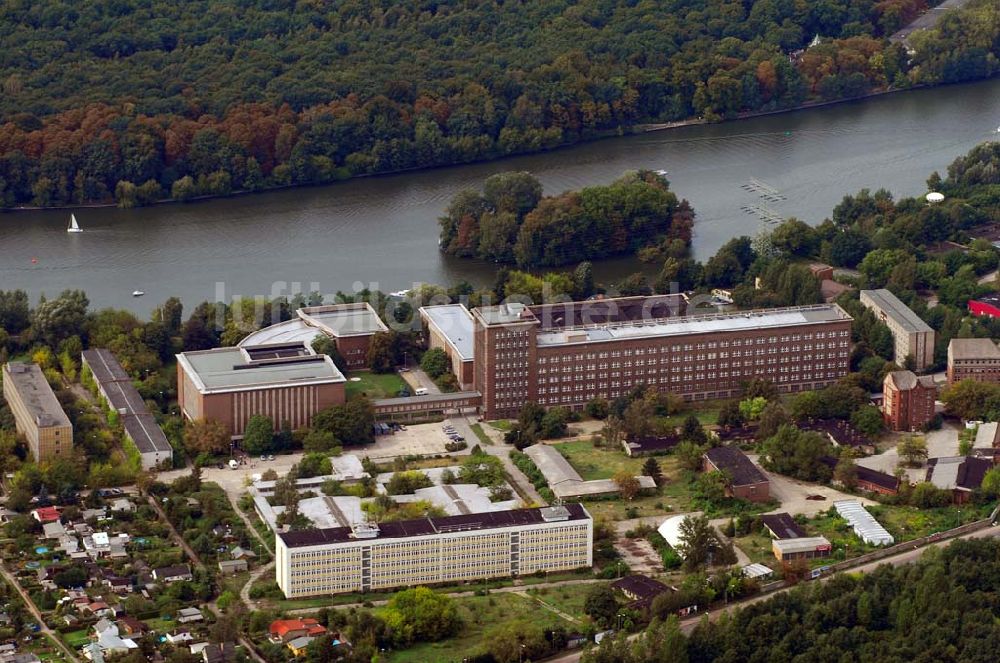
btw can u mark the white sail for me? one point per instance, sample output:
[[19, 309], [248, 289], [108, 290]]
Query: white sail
[[74, 227]]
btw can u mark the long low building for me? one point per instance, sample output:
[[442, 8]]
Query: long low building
[[38, 415], [479, 546], [115, 386], [568, 354], [287, 382]]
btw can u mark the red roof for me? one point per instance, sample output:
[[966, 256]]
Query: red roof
[[47, 514], [282, 627]]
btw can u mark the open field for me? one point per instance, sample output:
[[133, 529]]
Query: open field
[[597, 462], [480, 615], [374, 385]]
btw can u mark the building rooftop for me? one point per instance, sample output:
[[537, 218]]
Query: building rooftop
[[343, 319], [697, 324], [146, 433], [963, 473], [986, 435], [36, 394], [973, 348], [800, 545], [908, 380], [897, 310], [233, 369], [641, 587], [864, 524], [613, 311], [104, 366], [289, 331], [866, 474], [741, 470], [782, 526], [433, 526], [454, 323]]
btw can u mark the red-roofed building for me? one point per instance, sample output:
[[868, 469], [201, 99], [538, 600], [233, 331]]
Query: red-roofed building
[[988, 305], [46, 514], [285, 630]]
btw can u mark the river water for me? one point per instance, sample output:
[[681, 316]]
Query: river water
[[382, 232]]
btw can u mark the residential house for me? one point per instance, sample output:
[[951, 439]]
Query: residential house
[[46, 514], [743, 479], [170, 574], [242, 553], [123, 505], [299, 646], [131, 626], [285, 630], [109, 639], [218, 653]]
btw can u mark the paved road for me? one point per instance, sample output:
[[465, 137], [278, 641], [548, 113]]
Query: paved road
[[36, 613], [928, 19], [906, 557]]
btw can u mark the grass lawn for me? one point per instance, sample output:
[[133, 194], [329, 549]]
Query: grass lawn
[[480, 614], [374, 385], [597, 462], [77, 639], [502, 424], [567, 598], [481, 434], [757, 547]]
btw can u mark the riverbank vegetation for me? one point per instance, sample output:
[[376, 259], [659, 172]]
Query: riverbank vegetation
[[136, 102], [510, 222], [941, 608]]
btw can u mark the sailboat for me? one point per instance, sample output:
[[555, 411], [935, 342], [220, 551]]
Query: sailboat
[[74, 227]]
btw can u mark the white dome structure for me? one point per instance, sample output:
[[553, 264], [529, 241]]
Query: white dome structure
[[934, 197]]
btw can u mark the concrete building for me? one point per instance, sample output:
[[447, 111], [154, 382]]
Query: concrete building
[[115, 387], [479, 546], [975, 359], [913, 337], [37, 413], [908, 400], [743, 479], [288, 382], [567, 354], [808, 547], [449, 327], [351, 326]]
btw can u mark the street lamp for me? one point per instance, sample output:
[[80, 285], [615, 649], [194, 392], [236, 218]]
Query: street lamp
[[520, 654]]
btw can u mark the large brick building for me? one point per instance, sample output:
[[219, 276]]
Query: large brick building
[[567, 354], [744, 480], [912, 336], [908, 400], [37, 413], [287, 382], [975, 359], [478, 546]]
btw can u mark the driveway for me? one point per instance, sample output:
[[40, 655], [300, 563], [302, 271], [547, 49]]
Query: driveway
[[792, 493], [928, 19]]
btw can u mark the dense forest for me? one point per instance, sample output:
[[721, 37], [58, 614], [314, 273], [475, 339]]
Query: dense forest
[[940, 609], [511, 221], [133, 101]]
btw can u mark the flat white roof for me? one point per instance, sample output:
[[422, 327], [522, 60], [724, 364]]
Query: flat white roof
[[699, 324], [230, 369], [454, 323], [357, 319]]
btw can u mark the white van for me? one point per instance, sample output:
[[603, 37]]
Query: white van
[[420, 391]]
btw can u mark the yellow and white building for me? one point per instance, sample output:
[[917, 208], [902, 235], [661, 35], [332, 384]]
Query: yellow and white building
[[37, 413], [477, 546]]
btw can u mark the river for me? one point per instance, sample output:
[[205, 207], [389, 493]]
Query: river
[[382, 232]]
